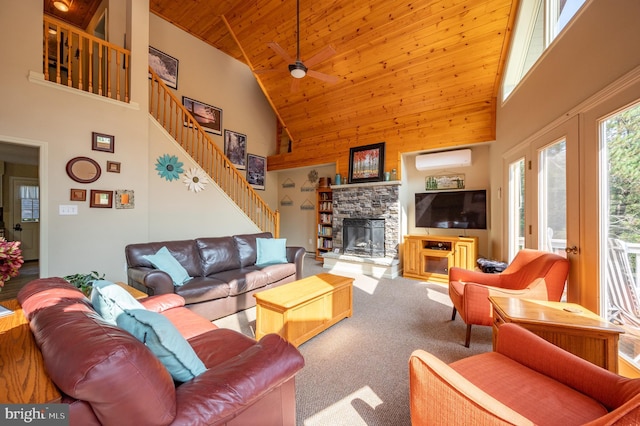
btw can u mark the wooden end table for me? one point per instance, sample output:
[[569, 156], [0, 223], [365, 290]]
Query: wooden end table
[[133, 291], [302, 309], [569, 326], [23, 379]]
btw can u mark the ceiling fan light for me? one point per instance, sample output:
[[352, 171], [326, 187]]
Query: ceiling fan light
[[298, 73], [61, 5], [297, 70]]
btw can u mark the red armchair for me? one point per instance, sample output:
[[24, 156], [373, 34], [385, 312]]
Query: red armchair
[[532, 274], [527, 381]]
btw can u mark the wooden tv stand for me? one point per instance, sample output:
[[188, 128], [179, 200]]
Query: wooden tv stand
[[429, 257]]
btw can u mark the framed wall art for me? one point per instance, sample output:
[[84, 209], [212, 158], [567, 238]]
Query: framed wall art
[[78, 195], [445, 182], [102, 142], [256, 170], [113, 166], [165, 66], [124, 199], [208, 116], [101, 199], [235, 148], [366, 163]]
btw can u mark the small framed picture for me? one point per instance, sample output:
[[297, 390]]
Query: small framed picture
[[235, 148], [124, 199], [256, 171], [78, 195], [101, 199], [102, 142], [113, 167]]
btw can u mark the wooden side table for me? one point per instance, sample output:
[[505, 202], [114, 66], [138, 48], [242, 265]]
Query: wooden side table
[[133, 291], [23, 379], [569, 326]]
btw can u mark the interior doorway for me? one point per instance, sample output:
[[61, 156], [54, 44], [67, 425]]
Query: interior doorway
[[20, 163]]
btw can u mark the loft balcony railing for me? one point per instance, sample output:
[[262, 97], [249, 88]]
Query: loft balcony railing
[[80, 60], [180, 124]]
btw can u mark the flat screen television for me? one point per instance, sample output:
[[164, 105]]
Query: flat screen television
[[452, 209]]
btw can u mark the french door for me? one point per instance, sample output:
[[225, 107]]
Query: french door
[[619, 234], [543, 197]]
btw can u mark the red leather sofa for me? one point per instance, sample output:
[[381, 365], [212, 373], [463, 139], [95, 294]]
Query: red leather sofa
[[109, 377]]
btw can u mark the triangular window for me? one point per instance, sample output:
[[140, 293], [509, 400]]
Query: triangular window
[[538, 23]]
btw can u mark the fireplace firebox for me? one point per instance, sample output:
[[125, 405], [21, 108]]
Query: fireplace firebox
[[363, 236]]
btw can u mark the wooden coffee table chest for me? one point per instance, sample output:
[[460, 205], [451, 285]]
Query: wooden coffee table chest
[[302, 309]]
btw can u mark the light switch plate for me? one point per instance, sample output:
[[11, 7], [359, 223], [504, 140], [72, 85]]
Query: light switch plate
[[66, 210]]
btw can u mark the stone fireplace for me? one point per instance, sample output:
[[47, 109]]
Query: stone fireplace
[[378, 201], [363, 237]]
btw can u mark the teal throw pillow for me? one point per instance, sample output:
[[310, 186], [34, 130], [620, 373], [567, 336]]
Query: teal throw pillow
[[271, 251], [165, 341], [164, 261], [110, 300]]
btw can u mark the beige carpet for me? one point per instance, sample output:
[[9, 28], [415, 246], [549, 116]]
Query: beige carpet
[[356, 372]]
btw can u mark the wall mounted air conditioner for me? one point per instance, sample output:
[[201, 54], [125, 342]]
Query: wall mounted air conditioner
[[443, 160]]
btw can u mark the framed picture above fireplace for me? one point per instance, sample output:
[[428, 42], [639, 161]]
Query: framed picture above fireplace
[[366, 163]]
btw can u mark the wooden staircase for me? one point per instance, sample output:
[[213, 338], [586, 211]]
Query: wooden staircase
[[180, 124]]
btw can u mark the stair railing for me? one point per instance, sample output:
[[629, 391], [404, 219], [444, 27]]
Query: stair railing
[[80, 60], [180, 124]]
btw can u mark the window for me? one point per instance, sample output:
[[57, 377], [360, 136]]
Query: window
[[538, 23], [29, 203]]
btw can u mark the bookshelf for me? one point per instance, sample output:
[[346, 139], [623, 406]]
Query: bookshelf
[[324, 219]]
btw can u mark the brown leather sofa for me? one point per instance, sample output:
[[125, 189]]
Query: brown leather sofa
[[224, 271], [109, 377]]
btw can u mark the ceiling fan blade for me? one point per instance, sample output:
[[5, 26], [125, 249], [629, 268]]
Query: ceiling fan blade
[[281, 52], [322, 76], [265, 70], [295, 85], [321, 56]]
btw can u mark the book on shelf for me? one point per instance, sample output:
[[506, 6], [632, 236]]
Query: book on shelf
[[5, 311]]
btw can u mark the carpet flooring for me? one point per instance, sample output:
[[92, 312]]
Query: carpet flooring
[[356, 372]]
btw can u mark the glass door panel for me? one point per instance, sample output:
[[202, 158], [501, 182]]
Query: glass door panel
[[516, 207], [620, 223], [552, 197]]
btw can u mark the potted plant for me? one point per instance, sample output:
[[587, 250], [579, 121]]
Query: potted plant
[[84, 281], [10, 260]]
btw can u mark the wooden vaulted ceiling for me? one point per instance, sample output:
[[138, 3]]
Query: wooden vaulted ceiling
[[417, 75]]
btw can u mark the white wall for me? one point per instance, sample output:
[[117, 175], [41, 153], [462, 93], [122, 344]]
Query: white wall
[[175, 213], [207, 75], [598, 48], [59, 122], [298, 225], [476, 177]]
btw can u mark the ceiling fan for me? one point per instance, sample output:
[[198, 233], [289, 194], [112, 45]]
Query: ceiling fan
[[297, 68]]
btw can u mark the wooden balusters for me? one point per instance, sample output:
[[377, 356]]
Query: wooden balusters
[[70, 59]]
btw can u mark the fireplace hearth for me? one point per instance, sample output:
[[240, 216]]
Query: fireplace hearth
[[363, 236]]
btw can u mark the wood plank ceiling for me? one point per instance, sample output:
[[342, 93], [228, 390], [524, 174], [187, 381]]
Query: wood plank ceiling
[[417, 75]]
